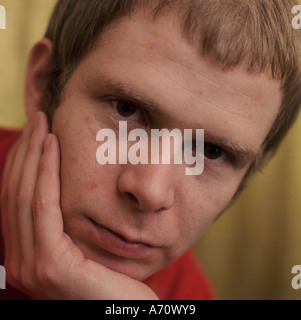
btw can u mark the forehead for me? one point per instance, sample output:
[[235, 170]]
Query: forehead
[[154, 60]]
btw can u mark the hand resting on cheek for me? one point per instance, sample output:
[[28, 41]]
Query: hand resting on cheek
[[40, 258]]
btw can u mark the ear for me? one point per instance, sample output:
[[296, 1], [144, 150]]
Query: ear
[[37, 75]]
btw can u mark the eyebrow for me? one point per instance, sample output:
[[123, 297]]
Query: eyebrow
[[130, 94], [244, 153], [127, 92]]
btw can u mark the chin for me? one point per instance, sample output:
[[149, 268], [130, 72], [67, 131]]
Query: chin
[[135, 269]]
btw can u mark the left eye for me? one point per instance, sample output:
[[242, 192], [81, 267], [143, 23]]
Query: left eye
[[128, 110], [214, 153]]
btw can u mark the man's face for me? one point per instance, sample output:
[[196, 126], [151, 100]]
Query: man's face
[[137, 219]]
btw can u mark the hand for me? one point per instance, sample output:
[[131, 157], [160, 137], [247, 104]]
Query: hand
[[40, 258]]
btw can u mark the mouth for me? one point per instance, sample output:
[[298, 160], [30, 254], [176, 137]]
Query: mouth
[[118, 244]]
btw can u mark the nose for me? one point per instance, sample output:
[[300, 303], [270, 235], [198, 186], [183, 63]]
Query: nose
[[151, 188]]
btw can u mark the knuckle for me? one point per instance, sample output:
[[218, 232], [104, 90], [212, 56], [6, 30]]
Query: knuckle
[[20, 197], [38, 205]]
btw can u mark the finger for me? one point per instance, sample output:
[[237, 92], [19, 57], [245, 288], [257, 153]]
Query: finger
[[48, 220], [9, 162], [27, 186], [4, 218], [12, 174], [11, 157]]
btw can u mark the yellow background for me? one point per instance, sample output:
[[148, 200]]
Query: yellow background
[[250, 251]]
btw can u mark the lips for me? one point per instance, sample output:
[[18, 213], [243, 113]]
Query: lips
[[118, 245]]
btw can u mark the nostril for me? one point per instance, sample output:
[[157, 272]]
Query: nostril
[[132, 197]]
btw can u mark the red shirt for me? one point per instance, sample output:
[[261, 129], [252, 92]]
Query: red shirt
[[182, 280]]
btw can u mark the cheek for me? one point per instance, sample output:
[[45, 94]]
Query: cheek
[[73, 171], [202, 207], [79, 169], [87, 187]]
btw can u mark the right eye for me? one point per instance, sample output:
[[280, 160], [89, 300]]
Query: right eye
[[214, 153], [128, 110]]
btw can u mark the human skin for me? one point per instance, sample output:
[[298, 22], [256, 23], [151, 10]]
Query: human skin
[[157, 211]]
